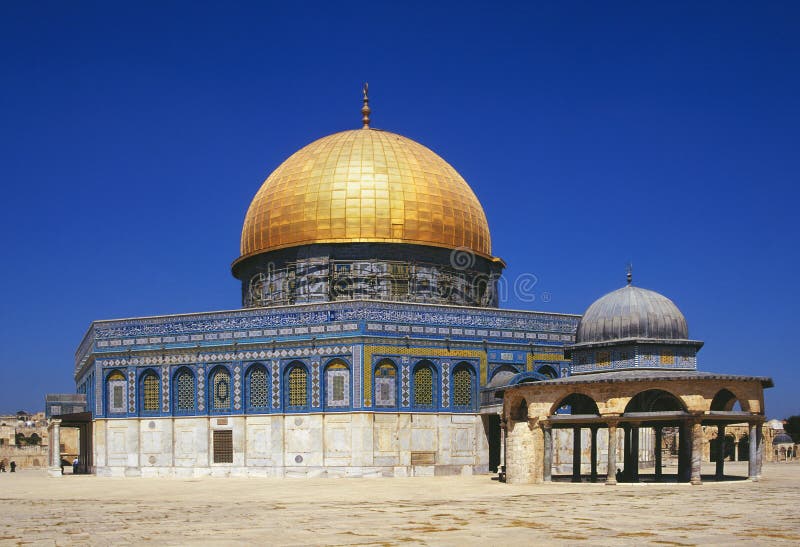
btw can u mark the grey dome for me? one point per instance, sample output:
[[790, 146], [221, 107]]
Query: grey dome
[[632, 312], [782, 438]]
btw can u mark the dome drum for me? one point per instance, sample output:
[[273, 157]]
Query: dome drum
[[366, 214], [372, 271]]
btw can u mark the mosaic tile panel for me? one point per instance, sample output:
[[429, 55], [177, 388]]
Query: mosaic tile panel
[[165, 388], [237, 387], [445, 384], [276, 385]]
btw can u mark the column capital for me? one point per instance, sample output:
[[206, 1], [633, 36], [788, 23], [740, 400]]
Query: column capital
[[694, 420]]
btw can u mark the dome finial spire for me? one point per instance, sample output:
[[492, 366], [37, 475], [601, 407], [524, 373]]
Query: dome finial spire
[[629, 272], [365, 110]]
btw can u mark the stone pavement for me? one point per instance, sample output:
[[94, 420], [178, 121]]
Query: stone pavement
[[422, 511]]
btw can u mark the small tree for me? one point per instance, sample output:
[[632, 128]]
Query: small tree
[[792, 427], [34, 439], [19, 439]]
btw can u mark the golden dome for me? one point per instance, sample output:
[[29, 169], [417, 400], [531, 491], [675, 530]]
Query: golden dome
[[365, 185]]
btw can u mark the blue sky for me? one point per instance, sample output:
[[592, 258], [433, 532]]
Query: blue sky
[[134, 135]]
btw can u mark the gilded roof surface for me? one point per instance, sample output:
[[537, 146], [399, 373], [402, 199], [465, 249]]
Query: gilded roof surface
[[632, 312], [365, 185]]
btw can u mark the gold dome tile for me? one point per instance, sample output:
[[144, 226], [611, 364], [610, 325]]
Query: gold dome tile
[[365, 185]]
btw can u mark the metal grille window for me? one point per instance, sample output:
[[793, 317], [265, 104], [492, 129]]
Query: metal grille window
[[298, 387], [385, 384], [399, 280], [423, 386], [258, 387], [152, 391], [342, 286], [185, 390], [462, 387], [223, 446], [221, 382]]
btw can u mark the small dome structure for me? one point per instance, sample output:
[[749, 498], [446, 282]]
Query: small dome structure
[[632, 313], [782, 438]]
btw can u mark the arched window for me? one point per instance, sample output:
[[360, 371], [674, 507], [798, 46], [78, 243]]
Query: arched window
[[425, 385], [385, 384], [548, 371], [117, 392], [220, 389], [297, 388], [151, 392], [257, 389], [183, 390], [337, 385], [463, 387]]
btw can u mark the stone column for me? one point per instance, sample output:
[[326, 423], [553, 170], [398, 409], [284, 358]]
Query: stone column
[[760, 446], [576, 454], [611, 471], [658, 431], [634, 457], [501, 472], [697, 450], [54, 444], [720, 470], [735, 455], [752, 464], [547, 460], [684, 452], [626, 453], [593, 475]]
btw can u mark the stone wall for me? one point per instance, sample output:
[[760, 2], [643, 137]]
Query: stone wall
[[298, 445]]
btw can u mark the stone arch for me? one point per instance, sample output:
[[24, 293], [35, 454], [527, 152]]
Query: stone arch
[[518, 410], [577, 403], [504, 368], [655, 400], [725, 400], [527, 378]]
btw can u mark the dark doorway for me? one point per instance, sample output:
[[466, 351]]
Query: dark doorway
[[491, 425]]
